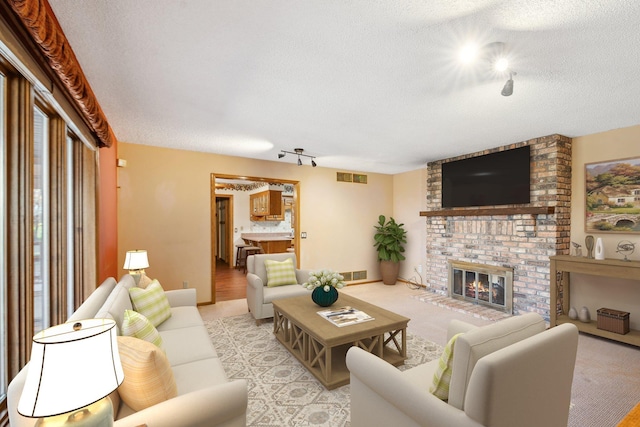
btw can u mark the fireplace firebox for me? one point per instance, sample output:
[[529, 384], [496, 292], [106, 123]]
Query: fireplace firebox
[[488, 285]]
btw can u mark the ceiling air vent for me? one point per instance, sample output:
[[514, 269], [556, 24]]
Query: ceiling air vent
[[344, 177]]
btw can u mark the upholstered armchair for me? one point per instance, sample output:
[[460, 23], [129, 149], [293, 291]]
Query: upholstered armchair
[[510, 373], [260, 293]]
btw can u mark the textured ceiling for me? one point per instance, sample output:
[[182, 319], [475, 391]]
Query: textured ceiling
[[362, 85]]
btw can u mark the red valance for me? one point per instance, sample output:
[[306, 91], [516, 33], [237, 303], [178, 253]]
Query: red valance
[[43, 26]]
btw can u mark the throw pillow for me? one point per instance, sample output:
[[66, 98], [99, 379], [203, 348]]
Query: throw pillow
[[151, 302], [137, 325], [280, 273], [442, 376], [148, 378], [144, 281]]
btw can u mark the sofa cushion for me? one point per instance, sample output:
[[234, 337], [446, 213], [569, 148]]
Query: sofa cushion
[[138, 326], [280, 273], [195, 339], [151, 302], [199, 374], [479, 342], [94, 302], [144, 281], [148, 378], [181, 317], [272, 294], [115, 305], [442, 376]]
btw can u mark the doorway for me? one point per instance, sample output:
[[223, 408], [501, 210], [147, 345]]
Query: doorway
[[227, 282], [224, 232]]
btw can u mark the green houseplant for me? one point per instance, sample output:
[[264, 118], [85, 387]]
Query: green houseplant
[[389, 238]]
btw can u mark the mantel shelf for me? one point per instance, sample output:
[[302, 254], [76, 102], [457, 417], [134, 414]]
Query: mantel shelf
[[542, 210]]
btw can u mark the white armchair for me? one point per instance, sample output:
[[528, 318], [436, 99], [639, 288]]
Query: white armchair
[[259, 295], [510, 373]]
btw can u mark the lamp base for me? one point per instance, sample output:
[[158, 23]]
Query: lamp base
[[98, 414]]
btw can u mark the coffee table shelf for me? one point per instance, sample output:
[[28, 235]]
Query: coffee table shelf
[[321, 346]]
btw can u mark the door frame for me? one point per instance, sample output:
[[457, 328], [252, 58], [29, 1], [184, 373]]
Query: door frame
[[296, 212]]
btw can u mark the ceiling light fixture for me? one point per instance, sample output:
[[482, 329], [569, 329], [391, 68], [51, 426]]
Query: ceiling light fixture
[[507, 90], [298, 152]]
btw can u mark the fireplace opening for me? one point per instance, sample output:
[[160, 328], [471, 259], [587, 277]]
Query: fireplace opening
[[482, 284]]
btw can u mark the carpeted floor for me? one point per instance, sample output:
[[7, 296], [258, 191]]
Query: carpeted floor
[[281, 391]]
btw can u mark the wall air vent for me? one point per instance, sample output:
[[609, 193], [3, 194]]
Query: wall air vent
[[359, 178], [347, 276], [360, 275], [344, 177]]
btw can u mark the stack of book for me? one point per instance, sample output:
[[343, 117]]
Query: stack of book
[[345, 316]]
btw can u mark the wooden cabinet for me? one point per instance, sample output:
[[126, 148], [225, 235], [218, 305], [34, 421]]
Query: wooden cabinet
[[266, 206], [562, 265]]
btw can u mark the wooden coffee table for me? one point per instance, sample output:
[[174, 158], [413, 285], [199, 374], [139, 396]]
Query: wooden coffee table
[[321, 346]]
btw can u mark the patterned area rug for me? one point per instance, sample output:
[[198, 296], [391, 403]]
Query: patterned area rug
[[281, 391]]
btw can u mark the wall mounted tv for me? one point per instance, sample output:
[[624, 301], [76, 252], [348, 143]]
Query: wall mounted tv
[[500, 178]]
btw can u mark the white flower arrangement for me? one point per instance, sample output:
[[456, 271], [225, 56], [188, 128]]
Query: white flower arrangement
[[324, 279]]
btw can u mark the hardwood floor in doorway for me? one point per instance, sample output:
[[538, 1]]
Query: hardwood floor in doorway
[[230, 283]]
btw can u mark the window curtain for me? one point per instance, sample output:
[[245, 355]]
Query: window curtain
[[58, 221], [20, 231], [85, 170]]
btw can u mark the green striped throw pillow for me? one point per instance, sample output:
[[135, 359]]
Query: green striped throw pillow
[[151, 302], [442, 376], [280, 273], [136, 325]]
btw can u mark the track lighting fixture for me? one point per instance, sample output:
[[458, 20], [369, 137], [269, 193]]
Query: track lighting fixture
[[298, 152], [507, 90]]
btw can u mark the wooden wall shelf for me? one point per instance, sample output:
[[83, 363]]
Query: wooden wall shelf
[[560, 269], [543, 210]]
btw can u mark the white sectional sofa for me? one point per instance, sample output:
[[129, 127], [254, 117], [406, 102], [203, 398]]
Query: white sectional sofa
[[205, 395]]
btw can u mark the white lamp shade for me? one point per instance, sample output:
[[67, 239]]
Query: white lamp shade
[[136, 260], [71, 367]]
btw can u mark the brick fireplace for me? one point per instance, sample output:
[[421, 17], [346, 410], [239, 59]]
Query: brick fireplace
[[516, 237]]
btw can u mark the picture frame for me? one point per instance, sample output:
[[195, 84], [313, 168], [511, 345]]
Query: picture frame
[[612, 196]]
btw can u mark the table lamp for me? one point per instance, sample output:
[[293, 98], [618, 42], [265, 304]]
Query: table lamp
[[136, 261], [73, 369]]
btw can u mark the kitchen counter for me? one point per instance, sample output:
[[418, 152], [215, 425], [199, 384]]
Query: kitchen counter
[[270, 243]]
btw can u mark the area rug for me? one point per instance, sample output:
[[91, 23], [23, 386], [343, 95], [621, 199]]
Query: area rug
[[281, 391]]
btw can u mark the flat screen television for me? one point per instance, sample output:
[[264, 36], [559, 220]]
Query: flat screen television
[[500, 178]]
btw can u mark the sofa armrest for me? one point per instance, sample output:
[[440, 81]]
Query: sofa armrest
[[458, 327], [182, 297], [219, 405], [302, 276], [382, 395], [255, 293]]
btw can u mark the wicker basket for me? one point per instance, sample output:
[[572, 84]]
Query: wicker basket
[[613, 320]]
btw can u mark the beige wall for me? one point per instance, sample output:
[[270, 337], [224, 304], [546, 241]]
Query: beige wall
[[164, 207], [591, 291], [409, 198]]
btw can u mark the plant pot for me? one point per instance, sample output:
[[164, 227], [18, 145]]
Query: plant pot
[[389, 271], [324, 298]]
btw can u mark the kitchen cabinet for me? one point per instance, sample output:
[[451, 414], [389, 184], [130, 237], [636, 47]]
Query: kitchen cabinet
[[266, 206]]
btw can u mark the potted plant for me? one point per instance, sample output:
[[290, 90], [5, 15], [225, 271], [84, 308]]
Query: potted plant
[[389, 238]]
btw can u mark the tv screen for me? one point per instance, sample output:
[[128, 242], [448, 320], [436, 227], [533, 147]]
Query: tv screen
[[500, 178]]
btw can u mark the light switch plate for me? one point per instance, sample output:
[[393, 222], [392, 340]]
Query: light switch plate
[[303, 235]]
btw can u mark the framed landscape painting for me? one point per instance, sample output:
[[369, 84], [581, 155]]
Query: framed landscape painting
[[613, 196]]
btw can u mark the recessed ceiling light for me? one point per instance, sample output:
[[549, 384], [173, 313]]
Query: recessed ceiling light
[[468, 53]]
